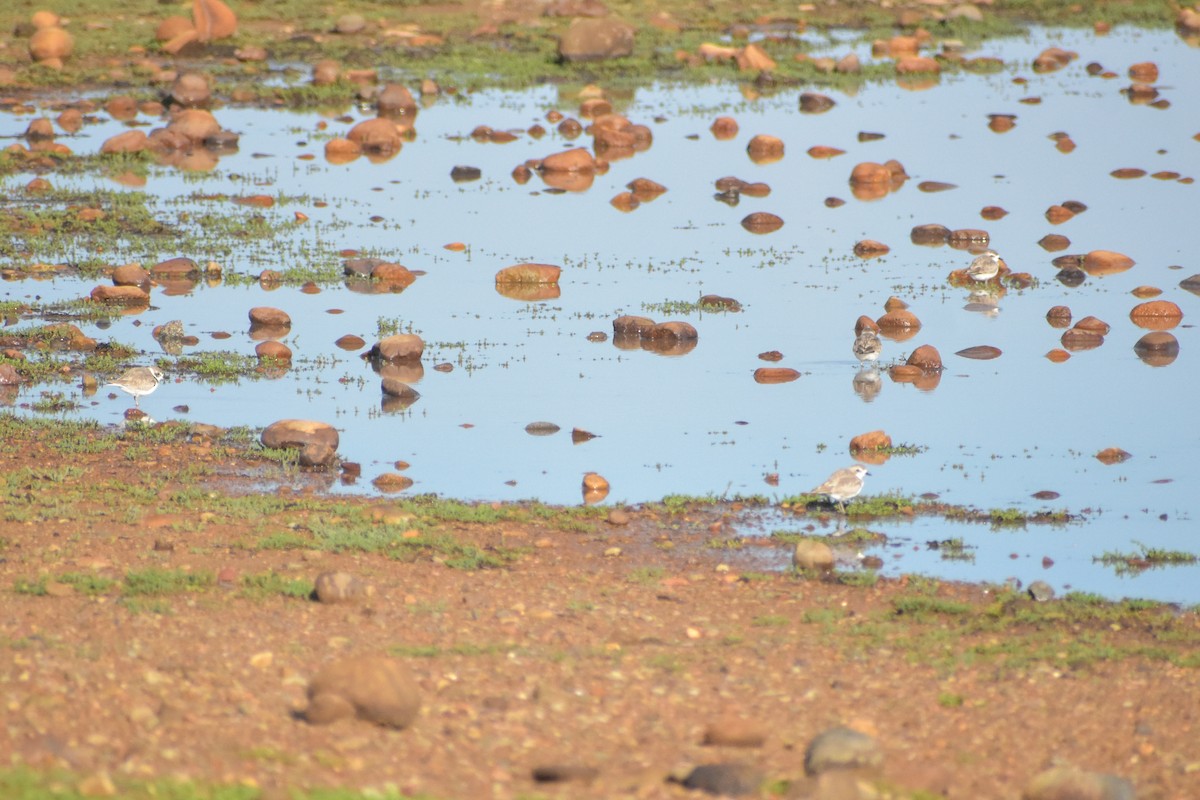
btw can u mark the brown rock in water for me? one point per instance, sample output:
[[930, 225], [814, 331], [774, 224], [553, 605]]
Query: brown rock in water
[[815, 103], [982, 352], [595, 488], [130, 275], [1053, 242], [1157, 348], [9, 376], [753, 58], [1146, 291], [39, 130], [762, 222], [317, 441], [1112, 455], [529, 273], [376, 135], [268, 317], [1059, 316], [870, 172], [350, 342], [1128, 173], [575, 160], [866, 323], [1093, 325], [275, 351], [213, 20], [52, 43], [873, 440], [1076, 339], [120, 295], [1105, 262], [396, 275], [668, 332], [763, 148], [993, 212], [926, 357], [395, 99], [134, 141], [625, 201], [899, 319], [1058, 356], [916, 65], [371, 688], [724, 128], [645, 189], [191, 89], [869, 248], [1157, 315], [596, 39], [716, 301], [341, 151], [823, 151], [1002, 123], [930, 234], [968, 237], [775, 375], [632, 326], [195, 124], [399, 347]]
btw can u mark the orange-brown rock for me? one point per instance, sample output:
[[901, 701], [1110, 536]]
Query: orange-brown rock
[[529, 273], [195, 123], [764, 148], [133, 141], [575, 160], [1105, 262], [645, 189], [341, 151], [815, 103], [905, 373], [926, 357], [370, 688], [397, 275], [178, 267], [1126, 173], [268, 317], [120, 295], [596, 39], [399, 347], [1094, 325], [213, 20], [870, 172], [968, 237], [325, 72], [1059, 316], [1075, 339], [276, 351], [865, 323], [191, 89], [1144, 72], [669, 332], [823, 151], [929, 234], [981, 352], [396, 99], [595, 483], [762, 222], [1157, 348], [1157, 315], [1146, 291], [628, 325], [625, 201], [376, 135], [1053, 58], [775, 375], [594, 107], [1058, 356], [914, 65], [50, 43], [1002, 123], [40, 129], [900, 319], [869, 248], [724, 128], [1113, 455], [873, 440], [350, 342], [1057, 215], [130, 275], [1053, 242], [993, 212]]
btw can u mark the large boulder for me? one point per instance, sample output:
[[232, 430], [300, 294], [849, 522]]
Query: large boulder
[[370, 688], [316, 441], [592, 39]]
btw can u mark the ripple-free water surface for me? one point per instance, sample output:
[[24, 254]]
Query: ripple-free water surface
[[992, 432]]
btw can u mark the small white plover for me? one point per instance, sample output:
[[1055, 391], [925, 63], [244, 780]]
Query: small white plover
[[843, 485], [138, 381]]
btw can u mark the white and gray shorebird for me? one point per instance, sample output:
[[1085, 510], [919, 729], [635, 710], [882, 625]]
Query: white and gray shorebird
[[985, 266], [867, 345], [842, 485], [138, 381]]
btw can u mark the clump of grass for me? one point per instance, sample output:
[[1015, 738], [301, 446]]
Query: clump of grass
[[269, 584], [1145, 558], [156, 582]]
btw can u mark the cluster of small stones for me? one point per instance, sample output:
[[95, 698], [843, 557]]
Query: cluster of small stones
[[665, 338]]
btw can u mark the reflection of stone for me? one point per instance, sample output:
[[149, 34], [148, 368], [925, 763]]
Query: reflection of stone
[[1157, 348]]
